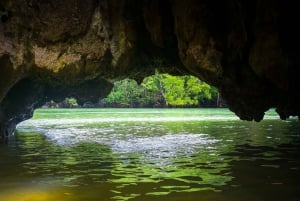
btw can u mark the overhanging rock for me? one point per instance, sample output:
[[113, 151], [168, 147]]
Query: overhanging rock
[[247, 49]]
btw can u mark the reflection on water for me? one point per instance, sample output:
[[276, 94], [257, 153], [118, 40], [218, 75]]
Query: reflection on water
[[121, 154]]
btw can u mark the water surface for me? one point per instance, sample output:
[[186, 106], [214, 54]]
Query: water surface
[[151, 154]]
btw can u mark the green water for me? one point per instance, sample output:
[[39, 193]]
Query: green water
[[151, 154]]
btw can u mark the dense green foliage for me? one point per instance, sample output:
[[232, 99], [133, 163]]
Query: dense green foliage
[[161, 90], [71, 102]]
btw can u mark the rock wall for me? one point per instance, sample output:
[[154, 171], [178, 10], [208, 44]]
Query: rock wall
[[50, 49]]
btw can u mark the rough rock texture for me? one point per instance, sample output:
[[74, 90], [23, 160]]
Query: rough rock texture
[[50, 49]]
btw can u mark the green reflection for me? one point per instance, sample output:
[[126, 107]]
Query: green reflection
[[145, 154]]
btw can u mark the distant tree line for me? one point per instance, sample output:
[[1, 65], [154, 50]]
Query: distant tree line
[[163, 90], [158, 90]]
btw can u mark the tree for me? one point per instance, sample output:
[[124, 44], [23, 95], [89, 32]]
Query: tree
[[174, 91], [70, 102], [125, 92], [154, 89]]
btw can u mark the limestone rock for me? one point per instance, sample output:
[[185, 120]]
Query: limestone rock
[[247, 49]]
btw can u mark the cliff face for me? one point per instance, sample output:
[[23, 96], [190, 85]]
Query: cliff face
[[53, 49]]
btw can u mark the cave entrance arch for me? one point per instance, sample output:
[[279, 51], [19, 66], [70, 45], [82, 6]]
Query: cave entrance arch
[[248, 50]]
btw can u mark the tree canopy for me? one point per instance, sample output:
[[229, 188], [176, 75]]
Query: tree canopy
[[161, 90]]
